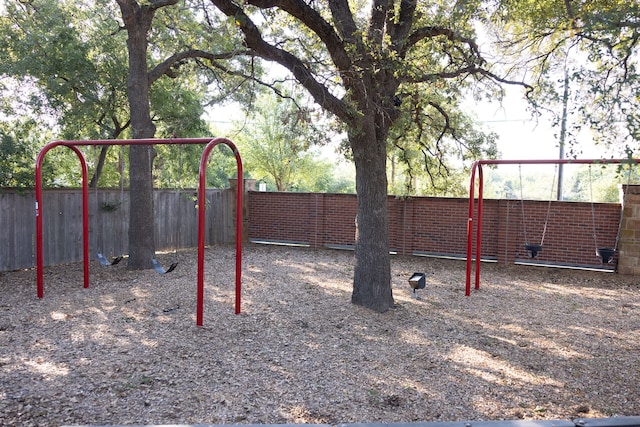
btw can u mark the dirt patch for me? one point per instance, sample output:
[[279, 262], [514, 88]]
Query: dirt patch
[[533, 343]]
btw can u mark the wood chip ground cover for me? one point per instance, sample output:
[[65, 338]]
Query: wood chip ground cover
[[533, 343]]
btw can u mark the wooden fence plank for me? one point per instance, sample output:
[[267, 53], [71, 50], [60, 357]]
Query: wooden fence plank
[[175, 219]]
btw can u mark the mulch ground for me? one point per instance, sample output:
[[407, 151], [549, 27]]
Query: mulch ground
[[532, 343]]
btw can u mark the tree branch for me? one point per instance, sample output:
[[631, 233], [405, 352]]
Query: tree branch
[[399, 31], [469, 70], [343, 19], [310, 18], [432, 32], [272, 86], [447, 122], [167, 64], [157, 4], [254, 41], [379, 10], [567, 5]]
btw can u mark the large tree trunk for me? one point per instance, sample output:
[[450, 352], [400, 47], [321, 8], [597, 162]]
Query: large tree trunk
[[141, 235], [372, 273], [141, 220]]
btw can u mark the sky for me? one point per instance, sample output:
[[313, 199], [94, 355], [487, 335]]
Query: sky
[[522, 137]]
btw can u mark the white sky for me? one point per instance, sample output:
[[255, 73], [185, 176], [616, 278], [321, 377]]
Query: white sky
[[521, 136]]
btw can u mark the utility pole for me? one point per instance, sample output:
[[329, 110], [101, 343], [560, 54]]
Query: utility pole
[[563, 129]]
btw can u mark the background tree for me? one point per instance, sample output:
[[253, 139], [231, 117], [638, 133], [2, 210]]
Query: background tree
[[17, 154], [431, 142], [354, 65], [278, 141], [593, 44], [95, 88], [76, 69], [68, 60]]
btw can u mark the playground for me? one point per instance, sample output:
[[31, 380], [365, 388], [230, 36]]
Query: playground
[[532, 343]]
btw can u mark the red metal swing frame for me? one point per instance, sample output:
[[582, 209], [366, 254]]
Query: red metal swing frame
[[210, 144], [476, 168]]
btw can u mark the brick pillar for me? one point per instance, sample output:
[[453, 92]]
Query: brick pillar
[[629, 244]]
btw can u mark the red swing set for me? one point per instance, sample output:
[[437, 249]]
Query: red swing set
[[210, 144], [476, 168]]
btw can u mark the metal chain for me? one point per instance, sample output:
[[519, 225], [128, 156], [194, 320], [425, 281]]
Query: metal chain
[[524, 221], [546, 221], [593, 211]]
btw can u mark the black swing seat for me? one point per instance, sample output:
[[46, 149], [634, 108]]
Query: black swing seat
[[104, 261], [606, 254], [533, 250], [160, 269]]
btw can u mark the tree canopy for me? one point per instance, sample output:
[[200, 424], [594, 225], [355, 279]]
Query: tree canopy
[[71, 57], [595, 45]]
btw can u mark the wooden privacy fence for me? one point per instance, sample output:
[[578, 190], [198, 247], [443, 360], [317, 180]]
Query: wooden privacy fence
[[175, 223]]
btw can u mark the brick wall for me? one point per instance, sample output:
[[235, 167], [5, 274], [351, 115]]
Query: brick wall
[[438, 226]]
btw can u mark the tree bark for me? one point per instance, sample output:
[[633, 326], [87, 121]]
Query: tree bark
[[141, 223], [372, 272], [93, 183]]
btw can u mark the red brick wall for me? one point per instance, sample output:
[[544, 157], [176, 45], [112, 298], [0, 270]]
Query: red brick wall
[[437, 225]]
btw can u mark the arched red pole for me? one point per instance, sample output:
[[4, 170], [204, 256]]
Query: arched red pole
[[470, 228], [85, 215], [202, 202], [39, 223], [479, 225]]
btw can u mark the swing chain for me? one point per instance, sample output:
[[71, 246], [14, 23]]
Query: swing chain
[[524, 221], [593, 210], [624, 202], [546, 221], [601, 251]]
